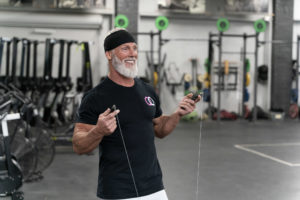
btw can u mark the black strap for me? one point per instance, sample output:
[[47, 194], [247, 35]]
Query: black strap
[[24, 46], [35, 45], [1, 51], [28, 59], [8, 43], [8, 155], [14, 59], [46, 63], [69, 44], [61, 59], [1, 147], [87, 72], [50, 59]]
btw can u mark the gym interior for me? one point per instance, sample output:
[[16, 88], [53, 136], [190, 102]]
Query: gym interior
[[242, 57]]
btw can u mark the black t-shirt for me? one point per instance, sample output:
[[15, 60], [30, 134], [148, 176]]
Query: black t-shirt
[[138, 105]]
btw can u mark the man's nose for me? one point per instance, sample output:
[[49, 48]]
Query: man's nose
[[133, 52]]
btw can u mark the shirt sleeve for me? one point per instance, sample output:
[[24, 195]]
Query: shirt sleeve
[[86, 112], [158, 111]]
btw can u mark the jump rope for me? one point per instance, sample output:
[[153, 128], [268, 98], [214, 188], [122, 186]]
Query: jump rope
[[194, 97]]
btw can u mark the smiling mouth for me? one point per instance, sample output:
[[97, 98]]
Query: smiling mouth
[[129, 62]]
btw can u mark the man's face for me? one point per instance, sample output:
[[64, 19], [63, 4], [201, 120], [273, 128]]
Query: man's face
[[124, 59]]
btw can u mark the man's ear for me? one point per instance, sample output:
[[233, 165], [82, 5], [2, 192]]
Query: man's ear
[[108, 55]]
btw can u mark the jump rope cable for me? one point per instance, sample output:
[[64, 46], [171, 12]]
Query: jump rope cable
[[199, 152], [129, 164]]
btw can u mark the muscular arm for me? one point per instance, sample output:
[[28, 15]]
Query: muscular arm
[[164, 125], [87, 137]]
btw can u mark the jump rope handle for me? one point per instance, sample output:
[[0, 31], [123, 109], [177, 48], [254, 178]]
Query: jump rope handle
[[113, 108], [194, 97]]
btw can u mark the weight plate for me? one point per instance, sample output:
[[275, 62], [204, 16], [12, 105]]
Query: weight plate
[[260, 26], [293, 111], [187, 78], [223, 24], [247, 65], [161, 23], [248, 78], [207, 65], [121, 21], [155, 78], [200, 78]]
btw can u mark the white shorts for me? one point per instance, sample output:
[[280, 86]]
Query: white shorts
[[160, 195]]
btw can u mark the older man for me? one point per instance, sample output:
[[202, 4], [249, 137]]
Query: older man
[[128, 166]]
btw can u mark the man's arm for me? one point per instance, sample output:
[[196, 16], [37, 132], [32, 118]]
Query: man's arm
[[164, 125], [87, 137]]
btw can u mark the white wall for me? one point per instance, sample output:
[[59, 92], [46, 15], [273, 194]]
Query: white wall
[[296, 9]]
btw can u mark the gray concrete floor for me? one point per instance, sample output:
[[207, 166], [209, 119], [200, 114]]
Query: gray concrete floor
[[226, 172]]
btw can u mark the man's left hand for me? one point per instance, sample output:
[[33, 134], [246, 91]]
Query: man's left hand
[[187, 105]]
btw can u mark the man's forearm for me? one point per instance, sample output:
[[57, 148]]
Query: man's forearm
[[166, 125], [85, 142]]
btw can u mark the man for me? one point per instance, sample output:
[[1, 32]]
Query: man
[[128, 166]]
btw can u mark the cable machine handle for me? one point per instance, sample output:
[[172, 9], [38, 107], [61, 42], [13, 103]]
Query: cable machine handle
[[61, 59], [8, 43], [14, 59]]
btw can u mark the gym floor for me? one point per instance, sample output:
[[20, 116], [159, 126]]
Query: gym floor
[[239, 160]]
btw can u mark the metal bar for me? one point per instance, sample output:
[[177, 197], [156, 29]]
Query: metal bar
[[159, 61], [61, 59], [210, 48], [14, 59], [8, 43], [255, 80], [188, 39], [8, 117], [1, 51], [28, 60], [244, 73], [249, 36], [24, 47], [298, 65], [236, 52], [151, 59], [219, 75], [146, 33], [235, 35], [278, 42], [230, 35], [13, 116], [35, 45]]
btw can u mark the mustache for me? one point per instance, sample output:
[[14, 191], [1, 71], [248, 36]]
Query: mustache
[[129, 59]]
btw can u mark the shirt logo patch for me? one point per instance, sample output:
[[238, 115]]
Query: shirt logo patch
[[149, 101]]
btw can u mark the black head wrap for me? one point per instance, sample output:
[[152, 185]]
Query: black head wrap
[[116, 39]]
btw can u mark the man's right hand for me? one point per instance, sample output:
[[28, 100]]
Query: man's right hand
[[107, 123]]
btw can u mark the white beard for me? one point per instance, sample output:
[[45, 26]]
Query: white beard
[[120, 66]]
